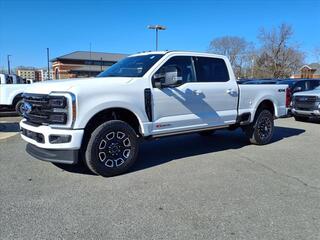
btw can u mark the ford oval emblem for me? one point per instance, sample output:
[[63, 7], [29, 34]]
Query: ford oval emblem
[[27, 108]]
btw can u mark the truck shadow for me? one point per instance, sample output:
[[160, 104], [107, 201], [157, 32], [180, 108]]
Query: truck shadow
[[161, 151], [174, 148], [9, 127]]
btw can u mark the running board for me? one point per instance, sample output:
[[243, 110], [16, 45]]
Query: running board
[[187, 131]]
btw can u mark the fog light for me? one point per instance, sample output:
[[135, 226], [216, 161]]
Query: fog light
[[59, 139]]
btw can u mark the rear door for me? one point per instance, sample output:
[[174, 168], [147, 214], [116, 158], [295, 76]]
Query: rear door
[[219, 90]]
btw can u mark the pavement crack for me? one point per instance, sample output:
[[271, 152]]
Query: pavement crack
[[281, 174]]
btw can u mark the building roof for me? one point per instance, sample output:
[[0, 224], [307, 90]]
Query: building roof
[[86, 55]]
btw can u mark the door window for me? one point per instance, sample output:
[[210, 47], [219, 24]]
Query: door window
[[184, 66], [211, 69]]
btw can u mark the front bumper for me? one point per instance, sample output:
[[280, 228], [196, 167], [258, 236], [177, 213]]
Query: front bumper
[[311, 113], [45, 132], [53, 155]]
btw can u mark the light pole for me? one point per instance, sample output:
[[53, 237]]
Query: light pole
[[157, 28], [48, 76], [8, 59]]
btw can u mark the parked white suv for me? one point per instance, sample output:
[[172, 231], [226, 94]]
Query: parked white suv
[[144, 96]]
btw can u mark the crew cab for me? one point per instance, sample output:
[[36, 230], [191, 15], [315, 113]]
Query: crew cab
[[101, 121], [306, 105], [11, 89]]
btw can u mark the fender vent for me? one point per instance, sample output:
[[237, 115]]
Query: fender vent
[[147, 102]]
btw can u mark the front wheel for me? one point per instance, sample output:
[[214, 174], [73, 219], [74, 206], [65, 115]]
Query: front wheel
[[19, 107], [112, 148], [260, 132]]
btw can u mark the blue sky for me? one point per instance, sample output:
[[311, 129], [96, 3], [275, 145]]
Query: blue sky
[[28, 27]]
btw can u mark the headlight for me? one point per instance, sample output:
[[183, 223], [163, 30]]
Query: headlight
[[63, 109], [57, 102]]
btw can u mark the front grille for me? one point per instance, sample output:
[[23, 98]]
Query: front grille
[[306, 103], [37, 109], [306, 98]]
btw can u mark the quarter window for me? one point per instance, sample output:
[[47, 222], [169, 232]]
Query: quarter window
[[211, 69]]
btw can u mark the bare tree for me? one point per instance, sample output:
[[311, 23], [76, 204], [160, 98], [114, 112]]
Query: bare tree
[[278, 58], [237, 49], [316, 54]]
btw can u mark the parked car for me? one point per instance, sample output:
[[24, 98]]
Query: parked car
[[11, 89], [144, 96], [306, 104]]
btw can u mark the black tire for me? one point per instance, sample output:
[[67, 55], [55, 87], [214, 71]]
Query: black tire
[[206, 133], [112, 149], [300, 118], [18, 107], [260, 132]]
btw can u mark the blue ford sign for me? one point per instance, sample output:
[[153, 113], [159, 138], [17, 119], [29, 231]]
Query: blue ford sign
[[26, 108]]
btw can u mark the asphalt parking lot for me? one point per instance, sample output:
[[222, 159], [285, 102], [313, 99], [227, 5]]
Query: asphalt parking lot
[[186, 187]]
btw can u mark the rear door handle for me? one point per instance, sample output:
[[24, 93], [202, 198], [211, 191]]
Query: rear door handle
[[231, 91]]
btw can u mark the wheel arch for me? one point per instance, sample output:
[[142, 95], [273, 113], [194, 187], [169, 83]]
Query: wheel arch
[[16, 98], [266, 104], [114, 113]]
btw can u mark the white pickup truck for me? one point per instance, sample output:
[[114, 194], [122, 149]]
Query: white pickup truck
[[11, 89], [100, 121]]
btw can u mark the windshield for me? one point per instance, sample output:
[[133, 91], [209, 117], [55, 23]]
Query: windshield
[[132, 66]]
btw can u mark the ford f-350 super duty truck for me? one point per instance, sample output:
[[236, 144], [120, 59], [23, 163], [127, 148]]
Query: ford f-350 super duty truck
[[100, 121]]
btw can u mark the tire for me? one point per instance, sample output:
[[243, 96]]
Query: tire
[[260, 132], [300, 118], [206, 133], [112, 148], [18, 107]]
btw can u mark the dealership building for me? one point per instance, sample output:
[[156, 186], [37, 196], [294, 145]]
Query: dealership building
[[82, 64]]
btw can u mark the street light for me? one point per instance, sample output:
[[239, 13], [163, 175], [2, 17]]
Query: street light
[[157, 28], [48, 64], [8, 59]]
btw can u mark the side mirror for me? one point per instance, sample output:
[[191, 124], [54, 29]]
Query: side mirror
[[168, 76]]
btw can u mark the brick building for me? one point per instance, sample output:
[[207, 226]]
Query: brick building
[[83, 64]]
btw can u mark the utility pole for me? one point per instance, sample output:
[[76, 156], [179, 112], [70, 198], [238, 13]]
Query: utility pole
[[157, 28], [8, 59], [48, 76]]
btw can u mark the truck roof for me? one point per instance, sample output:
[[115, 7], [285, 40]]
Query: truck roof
[[179, 52]]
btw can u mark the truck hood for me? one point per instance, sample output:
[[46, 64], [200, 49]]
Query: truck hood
[[308, 93], [72, 85]]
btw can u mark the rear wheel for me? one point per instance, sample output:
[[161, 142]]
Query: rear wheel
[[300, 118], [112, 148], [260, 132]]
